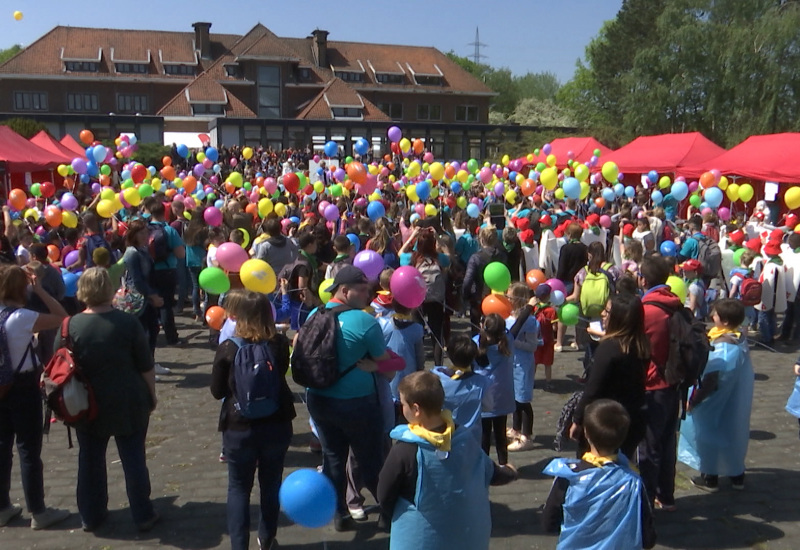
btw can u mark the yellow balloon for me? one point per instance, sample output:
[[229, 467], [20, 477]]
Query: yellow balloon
[[723, 183], [582, 172], [461, 202], [434, 192], [677, 286], [610, 172], [664, 182], [519, 179], [264, 207], [462, 176], [551, 160], [69, 219], [511, 196], [411, 193], [437, 171], [529, 158], [413, 169], [792, 198], [18, 15], [549, 178], [280, 210], [105, 208], [245, 235], [585, 189], [258, 276], [247, 153], [733, 192], [319, 187], [325, 296], [746, 192], [200, 156], [63, 170], [405, 145], [155, 183], [505, 160], [132, 196], [559, 194], [430, 210], [373, 169], [235, 178], [107, 194]]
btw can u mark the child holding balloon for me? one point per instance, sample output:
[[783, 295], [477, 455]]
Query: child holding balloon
[[525, 331]]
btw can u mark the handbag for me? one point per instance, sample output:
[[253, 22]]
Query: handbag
[[128, 299]]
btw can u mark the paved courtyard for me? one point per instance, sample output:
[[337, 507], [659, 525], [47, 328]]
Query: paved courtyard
[[189, 484]]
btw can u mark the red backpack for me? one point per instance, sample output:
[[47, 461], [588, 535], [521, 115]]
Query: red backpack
[[750, 291], [66, 391]]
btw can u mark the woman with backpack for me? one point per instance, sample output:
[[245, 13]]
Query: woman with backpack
[[253, 437]]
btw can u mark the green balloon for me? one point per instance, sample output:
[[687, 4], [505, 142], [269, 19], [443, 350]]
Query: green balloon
[[472, 165], [348, 160], [214, 280], [540, 166], [127, 184], [695, 201], [247, 186], [303, 179], [497, 276], [36, 190], [597, 152], [737, 257], [536, 152], [569, 314], [145, 190], [336, 190], [211, 197], [105, 170]]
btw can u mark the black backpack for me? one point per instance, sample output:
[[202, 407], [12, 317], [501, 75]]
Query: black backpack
[[158, 242], [314, 359]]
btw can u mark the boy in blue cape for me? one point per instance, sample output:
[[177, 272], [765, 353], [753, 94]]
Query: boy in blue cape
[[599, 502], [433, 469]]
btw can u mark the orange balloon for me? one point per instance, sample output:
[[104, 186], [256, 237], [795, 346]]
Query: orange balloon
[[260, 181], [496, 303], [707, 180], [53, 216], [600, 202], [69, 184], [53, 253], [230, 188], [449, 172], [168, 173], [528, 187], [357, 172], [534, 278], [166, 160], [419, 146], [348, 184], [215, 317], [86, 136], [171, 193], [17, 198], [390, 166], [252, 208], [190, 184], [105, 181]]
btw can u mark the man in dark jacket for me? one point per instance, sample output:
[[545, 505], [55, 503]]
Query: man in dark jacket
[[277, 250], [474, 288], [657, 453]]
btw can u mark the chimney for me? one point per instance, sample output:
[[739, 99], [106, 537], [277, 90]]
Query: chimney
[[319, 46], [202, 40]]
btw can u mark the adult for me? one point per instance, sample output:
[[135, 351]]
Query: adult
[[618, 370], [92, 238], [138, 275], [304, 278], [179, 224], [572, 257], [475, 289], [165, 278], [53, 284], [657, 453], [348, 414], [111, 348], [690, 249], [194, 237], [253, 443], [20, 396], [276, 249]]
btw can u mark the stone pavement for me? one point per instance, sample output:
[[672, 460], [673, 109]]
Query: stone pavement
[[189, 484]]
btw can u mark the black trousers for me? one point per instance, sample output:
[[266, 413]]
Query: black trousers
[[658, 451], [496, 424]]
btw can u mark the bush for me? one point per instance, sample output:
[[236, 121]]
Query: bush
[[26, 127], [150, 154]]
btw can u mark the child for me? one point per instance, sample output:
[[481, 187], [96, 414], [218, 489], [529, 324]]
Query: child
[[599, 501], [696, 290], [774, 297], [436, 462], [738, 276], [404, 336], [494, 362], [547, 317], [716, 431], [465, 392], [793, 404], [526, 339], [344, 255], [382, 304]]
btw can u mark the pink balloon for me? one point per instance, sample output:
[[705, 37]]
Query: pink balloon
[[693, 186], [419, 208], [271, 185], [370, 262], [428, 157], [706, 211], [322, 206], [605, 221], [285, 223], [408, 287], [234, 162], [554, 284], [724, 214], [231, 256], [213, 216], [316, 158], [189, 203]]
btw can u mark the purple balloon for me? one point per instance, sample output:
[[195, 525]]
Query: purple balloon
[[556, 284], [370, 262], [71, 258], [198, 170], [547, 148], [96, 188], [395, 134], [499, 189], [79, 165], [331, 213], [339, 174]]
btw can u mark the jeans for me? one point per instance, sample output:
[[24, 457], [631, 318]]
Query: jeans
[[164, 281], [434, 313], [344, 424], [21, 417], [93, 477], [264, 447], [183, 283], [658, 451], [194, 279], [299, 314], [766, 326]]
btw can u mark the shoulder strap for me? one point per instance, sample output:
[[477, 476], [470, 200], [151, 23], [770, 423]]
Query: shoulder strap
[[669, 311], [66, 341], [237, 340]]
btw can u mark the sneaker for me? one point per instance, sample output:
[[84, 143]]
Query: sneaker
[[557, 348], [148, 525], [268, 544], [658, 505], [521, 444], [223, 458], [511, 433], [49, 517], [162, 370], [343, 523], [701, 482], [315, 446], [7, 514], [737, 482], [358, 513], [574, 345]]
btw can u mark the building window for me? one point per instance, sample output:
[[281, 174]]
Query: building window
[[30, 101], [350, 76], [82, 103], [392, 110], [269, 91], [131, 103], [208, 109], [428, 80], [131, 68], [232, 71], [466, 113], [82, 66], [429, 112], [347, 112], [179, 70], [303, 74], [385, 78]]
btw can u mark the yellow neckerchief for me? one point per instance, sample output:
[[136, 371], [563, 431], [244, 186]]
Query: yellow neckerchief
[[460, 372], [598, 461], [383, 292], [402, 317], [717, 332], [439, 440]]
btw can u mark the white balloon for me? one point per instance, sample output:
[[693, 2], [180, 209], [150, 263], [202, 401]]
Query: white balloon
[[557, 298]]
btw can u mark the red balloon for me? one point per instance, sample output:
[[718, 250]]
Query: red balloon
[[47, 189], [291, 182], [138, 173]]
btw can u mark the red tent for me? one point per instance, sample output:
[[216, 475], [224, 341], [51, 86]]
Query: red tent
[[20, 155], [667, 153], [582, 149], [49, 143], [768, 158], [69, 142]]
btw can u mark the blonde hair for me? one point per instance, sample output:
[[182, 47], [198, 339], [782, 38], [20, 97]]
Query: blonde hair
[[519, 294], [13, 284], [95, 288], [254, 320], [488, 236]]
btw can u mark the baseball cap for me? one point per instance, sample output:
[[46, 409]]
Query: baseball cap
[[348, 275], [692, 265], [543, 290], [592, 219], [526, 236], [627, 230], [777, 235]]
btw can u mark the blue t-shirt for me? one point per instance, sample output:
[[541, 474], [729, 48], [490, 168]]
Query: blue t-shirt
[[360, 336], [174, 240], [691, 247], [444, 259], [466, 246]]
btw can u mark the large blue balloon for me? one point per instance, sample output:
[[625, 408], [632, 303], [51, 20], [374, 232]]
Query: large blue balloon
[[572, 188], [713, 196], [70, 283], [331, 149], [361, 146], [353, 238], [308, 498], [473, 211], [212, 154], [423, 190], [608, 194], [619, 189], [630, 192], [182, 150], [668, 248], [652, 176], [375, 211], [657, 197], [680, 190]]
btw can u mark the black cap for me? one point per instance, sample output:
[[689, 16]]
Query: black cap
[[348, 275]]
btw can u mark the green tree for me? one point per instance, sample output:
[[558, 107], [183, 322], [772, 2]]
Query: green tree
[[150, 154], [26, 127], [541, 112], [8, 53]]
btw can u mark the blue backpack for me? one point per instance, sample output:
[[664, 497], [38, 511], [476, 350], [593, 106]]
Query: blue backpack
[[258, 381]]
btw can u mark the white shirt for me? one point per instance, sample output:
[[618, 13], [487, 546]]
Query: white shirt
[[19, 332], [23, 253], [211, 256]]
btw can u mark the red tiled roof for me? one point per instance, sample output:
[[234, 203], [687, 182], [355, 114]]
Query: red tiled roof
[[205, 89], [267, 45], [338, 93]]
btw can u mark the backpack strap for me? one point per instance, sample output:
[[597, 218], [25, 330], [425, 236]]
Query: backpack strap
[[666, 309], [336, 310]]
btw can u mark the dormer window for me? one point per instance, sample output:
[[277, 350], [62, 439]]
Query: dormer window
[[350, 76], [81, 66], [232, 70], [389, 78], [347, 112], [208, 109], [131, 68], [303, 74], [179, 70], [428, 80]]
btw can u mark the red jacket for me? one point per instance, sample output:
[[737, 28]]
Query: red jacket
[[656, 326]]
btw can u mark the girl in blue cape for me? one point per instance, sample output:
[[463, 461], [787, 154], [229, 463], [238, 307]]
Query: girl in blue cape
[[716, 432], [793, 404]]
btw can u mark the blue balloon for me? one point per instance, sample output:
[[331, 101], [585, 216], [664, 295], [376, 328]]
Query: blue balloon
[[680, 190], [219, 203], [212, 154], [713, 196], [657, 197], [652, 176], [473, 211], [423, 190], [608, 194], [308, 498], [294, 219], [375, 211], [572, 188], [455, 187], [630, 192], [354, 241], [70, 283], [668, 248], [414, 217], [512, 176], [331, 149], [182, 150], [361, 146], [125, 175], [99, 153], [619, 189]]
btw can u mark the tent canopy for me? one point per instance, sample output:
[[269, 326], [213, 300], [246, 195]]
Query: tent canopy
[[49, 143], [20, 155], [771, 157], [69, 142], [666, 153], [582, 149]]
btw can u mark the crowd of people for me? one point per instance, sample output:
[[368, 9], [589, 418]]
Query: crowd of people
[[631, 276]]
